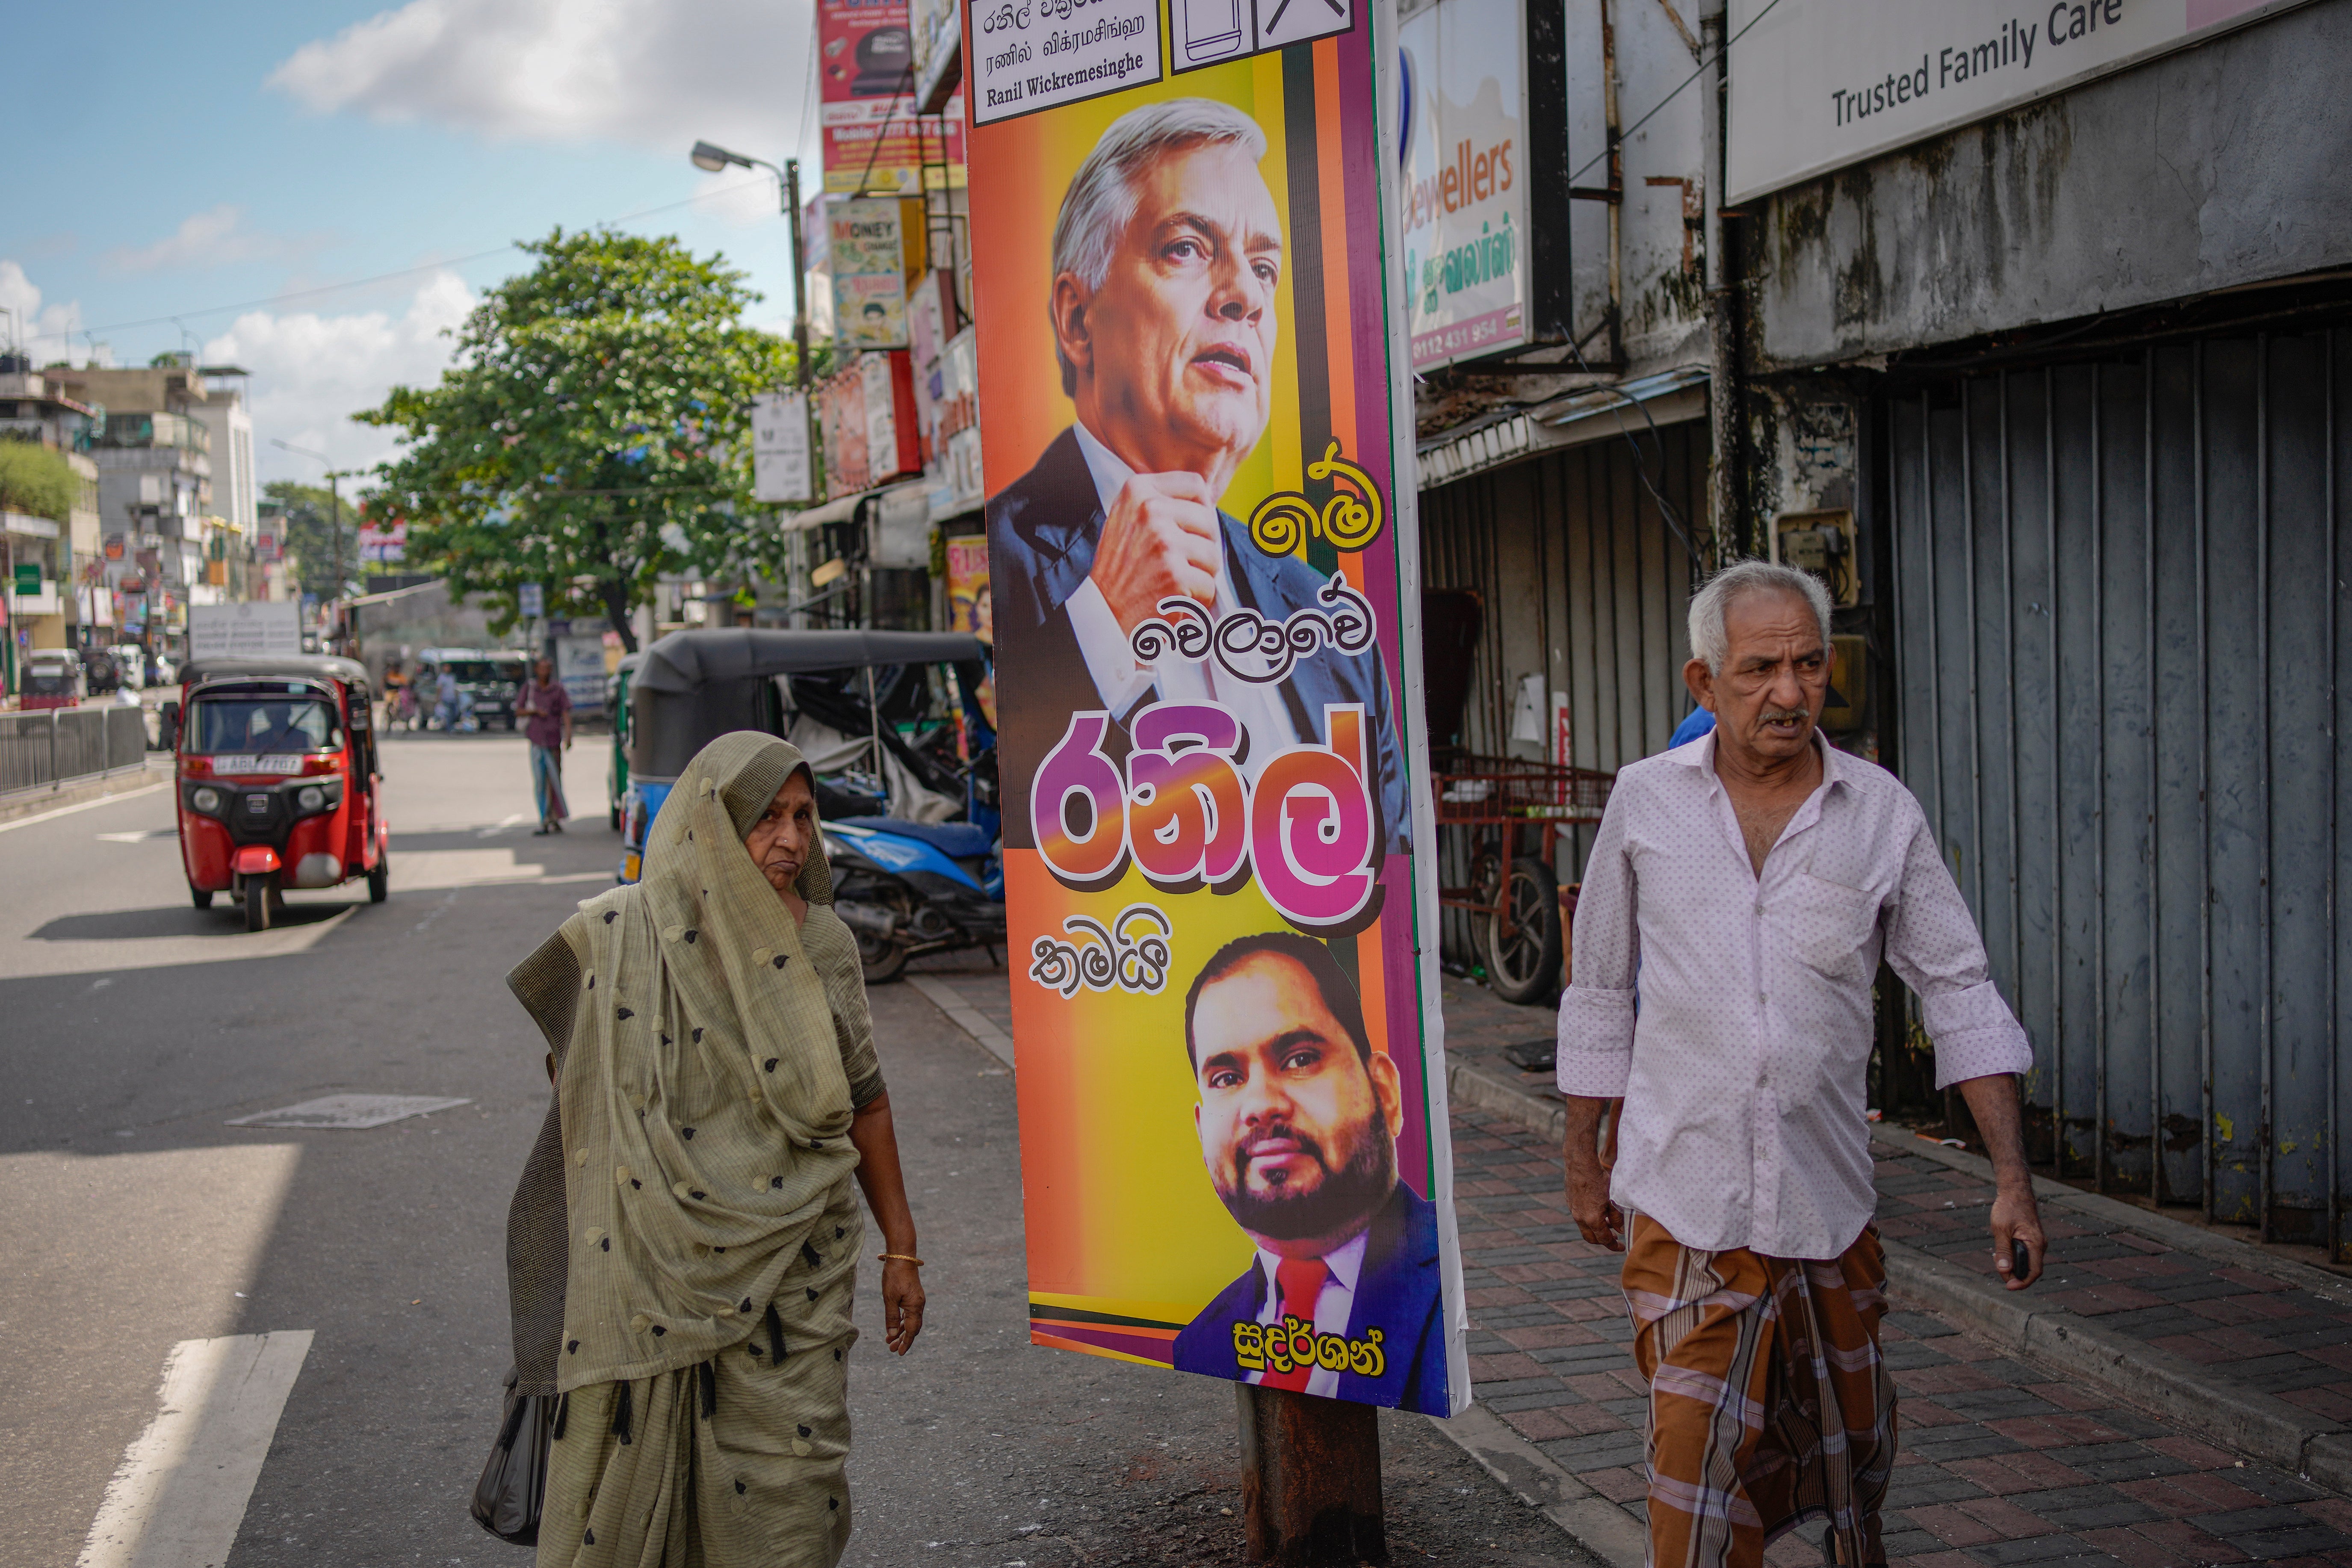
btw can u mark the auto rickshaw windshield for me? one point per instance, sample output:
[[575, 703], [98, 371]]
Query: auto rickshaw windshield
[[262, 724]]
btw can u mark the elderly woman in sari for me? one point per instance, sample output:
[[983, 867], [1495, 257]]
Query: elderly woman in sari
[[683, 1250]]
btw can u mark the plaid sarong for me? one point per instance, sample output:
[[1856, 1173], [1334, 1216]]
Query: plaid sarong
[[1743, 1354]]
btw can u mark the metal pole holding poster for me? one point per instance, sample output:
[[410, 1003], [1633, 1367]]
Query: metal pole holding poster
[[1219, 853]]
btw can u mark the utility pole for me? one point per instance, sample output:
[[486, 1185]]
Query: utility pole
[[800, 271]]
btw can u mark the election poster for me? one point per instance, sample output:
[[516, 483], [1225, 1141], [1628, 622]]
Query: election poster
[[1204, 585]]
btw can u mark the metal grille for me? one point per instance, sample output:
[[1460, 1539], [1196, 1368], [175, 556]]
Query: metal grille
[[2118, 656], [1581, 583]]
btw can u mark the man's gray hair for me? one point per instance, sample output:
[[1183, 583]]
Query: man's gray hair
[[1100, 202], [1710, 640]]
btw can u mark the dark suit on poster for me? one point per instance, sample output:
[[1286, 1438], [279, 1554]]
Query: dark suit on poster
[[1042, 533], [1398, 1291]]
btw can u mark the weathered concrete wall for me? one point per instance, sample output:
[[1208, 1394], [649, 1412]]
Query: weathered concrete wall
[[2219, 165]]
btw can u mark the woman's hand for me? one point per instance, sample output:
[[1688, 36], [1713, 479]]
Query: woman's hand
[[902, 1304]]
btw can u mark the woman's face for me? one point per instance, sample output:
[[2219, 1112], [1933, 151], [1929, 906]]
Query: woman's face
[[779, 842]]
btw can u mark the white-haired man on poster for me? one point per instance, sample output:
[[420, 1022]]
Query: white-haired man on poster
[[1167, 262], [1742, 888]]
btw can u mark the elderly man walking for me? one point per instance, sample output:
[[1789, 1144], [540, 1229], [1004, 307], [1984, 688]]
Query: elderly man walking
[[547, 708], [1740, 895]]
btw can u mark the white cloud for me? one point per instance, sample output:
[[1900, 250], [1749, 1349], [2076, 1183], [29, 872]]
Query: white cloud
[[312, 372], [742, 198], [213, 237], [45, 331], [653, 73]]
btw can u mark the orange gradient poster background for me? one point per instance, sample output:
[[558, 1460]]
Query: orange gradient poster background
[[1128, 1239]]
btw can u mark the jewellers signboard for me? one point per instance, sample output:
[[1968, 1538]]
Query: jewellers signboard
[[1465, 197], [1818, 84]]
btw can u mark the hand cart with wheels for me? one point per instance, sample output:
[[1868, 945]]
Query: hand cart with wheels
[[1520, 914]]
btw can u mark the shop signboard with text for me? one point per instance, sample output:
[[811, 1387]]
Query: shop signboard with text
[[874, 142], [1465, 198], [1203, 590], [1818, 84]]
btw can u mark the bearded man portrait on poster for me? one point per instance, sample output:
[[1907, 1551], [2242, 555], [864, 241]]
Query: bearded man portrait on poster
[[1167, 267], [1298, 1118]]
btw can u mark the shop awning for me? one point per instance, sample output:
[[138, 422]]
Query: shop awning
[[1590, 414]]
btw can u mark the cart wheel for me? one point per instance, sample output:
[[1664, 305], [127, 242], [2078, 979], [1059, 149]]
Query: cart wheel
[[200, 896], [1524, 966], [260, 899], [379, 879]]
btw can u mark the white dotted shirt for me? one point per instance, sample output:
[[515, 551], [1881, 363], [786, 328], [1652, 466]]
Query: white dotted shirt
[[1743, 1067]]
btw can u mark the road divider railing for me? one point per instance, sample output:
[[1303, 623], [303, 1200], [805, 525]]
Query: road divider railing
[[52, 748]]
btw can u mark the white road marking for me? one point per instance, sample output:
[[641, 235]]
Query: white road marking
[[492, 832], [142, 836], [348, 1111], [179, 1494], [84, 805]]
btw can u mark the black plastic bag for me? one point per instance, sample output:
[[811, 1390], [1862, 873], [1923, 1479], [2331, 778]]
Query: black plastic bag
[[508, 1497]]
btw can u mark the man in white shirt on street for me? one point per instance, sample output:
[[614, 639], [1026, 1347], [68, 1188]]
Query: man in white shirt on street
[[1739, 896]]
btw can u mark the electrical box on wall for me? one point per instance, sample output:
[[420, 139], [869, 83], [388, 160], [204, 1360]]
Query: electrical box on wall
[[1849, 699], [1821, 542]]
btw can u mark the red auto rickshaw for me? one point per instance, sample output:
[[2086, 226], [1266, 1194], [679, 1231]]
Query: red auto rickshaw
[[278, 781]]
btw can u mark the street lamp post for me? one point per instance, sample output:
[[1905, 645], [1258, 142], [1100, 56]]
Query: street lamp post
[[711, 158], [335, 503]]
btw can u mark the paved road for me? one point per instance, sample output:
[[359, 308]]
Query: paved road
[[132, 1026]]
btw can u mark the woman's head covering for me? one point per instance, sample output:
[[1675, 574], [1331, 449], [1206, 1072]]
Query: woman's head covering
[[705, 1111]]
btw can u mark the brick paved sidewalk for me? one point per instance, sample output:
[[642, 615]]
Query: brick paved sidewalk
[[2001, 1462]]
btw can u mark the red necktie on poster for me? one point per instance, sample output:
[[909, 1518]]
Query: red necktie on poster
[[1298, 1281]]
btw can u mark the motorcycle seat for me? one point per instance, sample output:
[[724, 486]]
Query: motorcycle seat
[[956, 841]]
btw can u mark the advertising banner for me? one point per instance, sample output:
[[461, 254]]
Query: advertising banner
[[780, 448], [253, 629], [1464, 202], [1204, 591], [865, 251], [873, 144], [841, 415], [1818, 84], [383, 541]]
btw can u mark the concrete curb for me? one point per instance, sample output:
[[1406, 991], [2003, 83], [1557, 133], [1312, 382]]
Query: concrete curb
[[1608, 1532], [2166, 1386], [963, 1016], [81, 791], [2173, 1233], [1479, 1089]]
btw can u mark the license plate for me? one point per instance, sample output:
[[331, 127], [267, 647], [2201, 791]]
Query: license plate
[[248, 763], [629, 867]]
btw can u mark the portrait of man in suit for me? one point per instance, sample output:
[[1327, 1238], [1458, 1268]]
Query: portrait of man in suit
[[1167, 267], [1298, 1117]]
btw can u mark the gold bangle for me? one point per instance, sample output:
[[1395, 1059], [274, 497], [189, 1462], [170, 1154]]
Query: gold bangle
[[898, 1258]]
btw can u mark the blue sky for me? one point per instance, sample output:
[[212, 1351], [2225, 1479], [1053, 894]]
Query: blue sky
[[194, 161]]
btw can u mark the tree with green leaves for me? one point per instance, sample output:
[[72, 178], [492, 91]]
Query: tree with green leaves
[[309, 534], [592, 433], [37, 481]]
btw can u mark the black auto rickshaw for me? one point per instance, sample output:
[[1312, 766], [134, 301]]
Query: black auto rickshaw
[[278, 781], [886, 718]]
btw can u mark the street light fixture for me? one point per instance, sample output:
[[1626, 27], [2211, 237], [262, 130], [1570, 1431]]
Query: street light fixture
[[709, 157]]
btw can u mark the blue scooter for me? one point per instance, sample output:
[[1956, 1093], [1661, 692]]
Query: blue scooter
[[909, 887]]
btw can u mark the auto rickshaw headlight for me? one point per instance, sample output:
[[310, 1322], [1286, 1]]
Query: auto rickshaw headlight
[[205, 800], [311, 798]]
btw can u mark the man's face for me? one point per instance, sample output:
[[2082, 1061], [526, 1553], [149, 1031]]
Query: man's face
[[1774, 676], [1297, 1131], [542, 672], [1175, 350]]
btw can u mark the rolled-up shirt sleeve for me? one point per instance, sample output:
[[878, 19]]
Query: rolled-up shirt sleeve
[[1933, 944], [1594, 1055]]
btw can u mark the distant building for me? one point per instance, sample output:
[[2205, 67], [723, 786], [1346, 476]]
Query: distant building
[[72, 607]]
